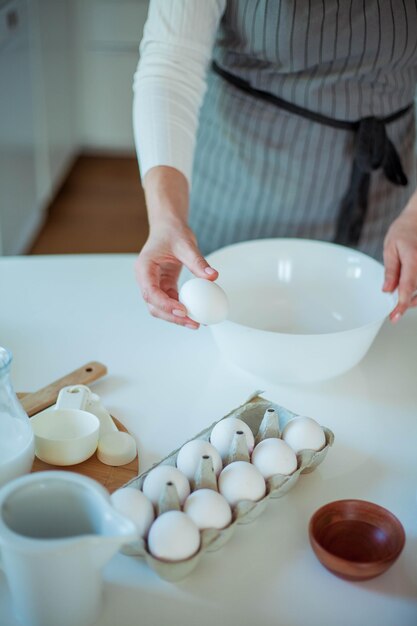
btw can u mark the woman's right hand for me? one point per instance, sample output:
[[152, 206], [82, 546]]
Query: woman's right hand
[[169, 246]]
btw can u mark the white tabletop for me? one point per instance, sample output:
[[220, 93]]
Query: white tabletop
[[166, 384]]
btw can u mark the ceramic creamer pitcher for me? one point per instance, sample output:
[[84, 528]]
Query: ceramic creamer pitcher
[[57, 531]]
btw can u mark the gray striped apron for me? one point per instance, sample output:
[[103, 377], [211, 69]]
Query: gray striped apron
[[260, 171]]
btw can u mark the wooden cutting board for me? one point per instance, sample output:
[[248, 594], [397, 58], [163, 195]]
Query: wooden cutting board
[[110, 477]]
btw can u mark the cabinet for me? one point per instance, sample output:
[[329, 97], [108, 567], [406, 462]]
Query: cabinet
[[20, 213], [37, 129], [66, 73], [55, 68]]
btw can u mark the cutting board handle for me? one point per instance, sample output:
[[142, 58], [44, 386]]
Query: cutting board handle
[[35, 402]]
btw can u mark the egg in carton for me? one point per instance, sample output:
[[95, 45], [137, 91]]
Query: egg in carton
[[265, 420]]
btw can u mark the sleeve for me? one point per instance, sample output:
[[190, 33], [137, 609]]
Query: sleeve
[[170, 80]]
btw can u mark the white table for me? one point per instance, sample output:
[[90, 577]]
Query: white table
[[166, 384]]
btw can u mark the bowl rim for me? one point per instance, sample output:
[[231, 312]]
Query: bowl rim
[[389, 559], [299, 241], [44, 416]]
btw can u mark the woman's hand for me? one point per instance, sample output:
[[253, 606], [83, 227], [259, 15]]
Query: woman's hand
[[158, 267], [170, 245], [400, 259]]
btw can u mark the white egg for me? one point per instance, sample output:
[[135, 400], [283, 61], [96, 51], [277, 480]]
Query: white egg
[[241, 481], [208, 509], [205, 301], [302, 433], [155, 482], [274, 456], [189, 457], [134, 505], [173, 537], [223, 432]]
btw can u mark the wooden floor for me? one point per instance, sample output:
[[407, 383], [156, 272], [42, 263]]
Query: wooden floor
[[99, 208]]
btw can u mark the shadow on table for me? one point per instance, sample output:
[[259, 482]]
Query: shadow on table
[[401, 579], [387, 372], [179, 604]]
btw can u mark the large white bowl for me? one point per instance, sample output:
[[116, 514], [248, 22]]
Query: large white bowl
[[300, 310]]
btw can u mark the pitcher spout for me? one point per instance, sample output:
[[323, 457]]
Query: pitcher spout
[[116, 531]]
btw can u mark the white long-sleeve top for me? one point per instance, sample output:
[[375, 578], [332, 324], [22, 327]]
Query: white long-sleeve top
[[170, 80]]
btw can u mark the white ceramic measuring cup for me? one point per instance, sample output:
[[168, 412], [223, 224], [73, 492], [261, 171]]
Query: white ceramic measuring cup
[[114, 447], [57, 531], [65, 435]]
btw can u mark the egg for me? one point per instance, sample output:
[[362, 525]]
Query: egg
[[205, 301], [302, 433], [155, 482], [223, 432], [189, 457], [135, 506], [241, 480], [273, 456], [208, 509], [173, 537]]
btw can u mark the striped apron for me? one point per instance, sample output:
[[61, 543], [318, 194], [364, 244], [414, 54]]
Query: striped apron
[[260, 171]]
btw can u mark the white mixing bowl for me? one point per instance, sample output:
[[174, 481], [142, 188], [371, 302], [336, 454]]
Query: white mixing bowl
[[300, 310]]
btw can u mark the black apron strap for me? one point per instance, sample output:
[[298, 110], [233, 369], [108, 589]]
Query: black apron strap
[[373, 150]]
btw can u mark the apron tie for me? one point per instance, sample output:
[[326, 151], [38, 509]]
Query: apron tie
[[373, 150]]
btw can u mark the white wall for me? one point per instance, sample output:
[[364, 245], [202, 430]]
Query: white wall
[[54, 71], [109, 33]]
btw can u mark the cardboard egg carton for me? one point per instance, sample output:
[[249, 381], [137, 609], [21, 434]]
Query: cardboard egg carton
[[253, 412]]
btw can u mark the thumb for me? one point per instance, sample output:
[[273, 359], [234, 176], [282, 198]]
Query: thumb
[[192, 258]]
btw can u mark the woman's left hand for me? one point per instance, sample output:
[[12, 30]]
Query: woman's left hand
[[400, 259]]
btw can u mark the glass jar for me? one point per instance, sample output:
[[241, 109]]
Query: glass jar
[[17, 445]]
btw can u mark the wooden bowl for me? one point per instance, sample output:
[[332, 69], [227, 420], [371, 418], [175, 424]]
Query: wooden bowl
[[355, 539]]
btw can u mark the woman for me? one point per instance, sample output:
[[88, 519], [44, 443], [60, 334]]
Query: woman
[[303, 126]]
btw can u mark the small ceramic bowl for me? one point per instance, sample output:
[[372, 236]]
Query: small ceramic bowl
[[356, 540], [65, 436]]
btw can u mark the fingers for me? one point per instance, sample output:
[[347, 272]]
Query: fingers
[[400, 259], [166, 306], [157, 270], [172, 292], [196, 263], [148, 277], [174, 319], [406, 289], [407, 286], [392, 268], [161, 294]]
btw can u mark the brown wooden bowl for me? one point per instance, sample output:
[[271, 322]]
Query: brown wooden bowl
[[355, 539]]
